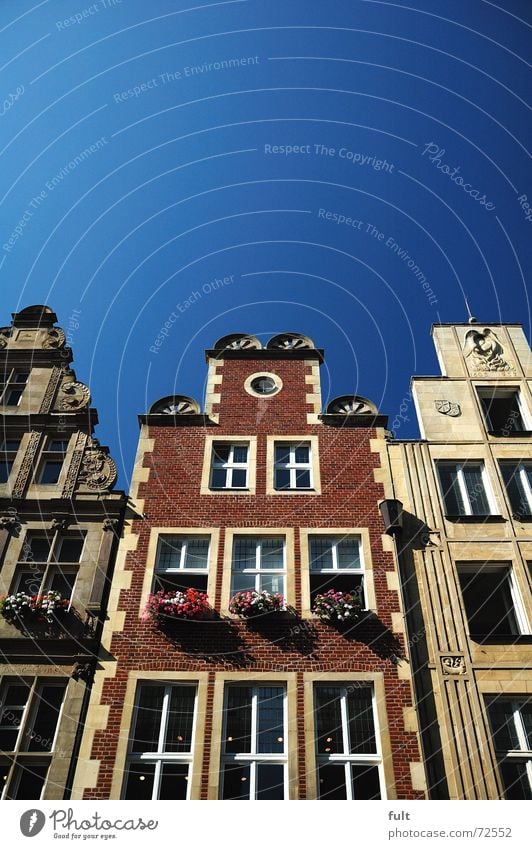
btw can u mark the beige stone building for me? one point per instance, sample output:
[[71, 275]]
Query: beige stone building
[[59, 523], [464, 555]]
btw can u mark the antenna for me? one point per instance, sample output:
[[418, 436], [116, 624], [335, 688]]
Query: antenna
[[471, 317]]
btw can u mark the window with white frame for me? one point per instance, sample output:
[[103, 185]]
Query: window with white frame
[[48, 562], [518, 482], [229, 467], [503, 409], [254, 750], [465, 489], [347, 751], [51, 461], [491, 600], [182, 562], [258, 564], [8, 452], [336, 564], [12, 388], [29, 716], [511, 725], [161, 742], [292, 466]]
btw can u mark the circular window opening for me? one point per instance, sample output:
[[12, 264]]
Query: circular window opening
[[263, 385]]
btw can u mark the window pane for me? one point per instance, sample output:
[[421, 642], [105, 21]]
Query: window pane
[[282, 454], [271, 583], [218, 478], [181, 580], [270, 721], [343, 582], [220, 454], [329, 721], [148, 721], [240, 454], [452, 497], [62, 582], [59, 445], [245, 553], [197, 553], [241, 581], [282, 479], [365, 782], [349, 554], [361, 724], [5, 470], [488, 602], [12, 397], [238, 719], [514, 488], [139, 784], [235, 781], [502, 411], [14, 701], [174, 781], [272, 553], [331, 778], [36, 549], [270, 781], [169, 556], [28, 582], [239, 478], [302, 478], [501, 714], [28, 781], [41, 735], [515, 780], [321, 553], [180, 719], [526, 715], [50, 471], [475, 490], [302, 454], [4, 772], [69, 550]]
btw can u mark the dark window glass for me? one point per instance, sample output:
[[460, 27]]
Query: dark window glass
[[329, 721], [62, 582], [501, 714], [515, 780], [36, 548], [180, 582], [282, 479], [50, 471], [344, 583], [488, 602], [361, 726], [270, 721], [302, 454], [240, 454], [28, 781], [174, 781], [512, 475], [180, 719], [366, 783], [218, 478], [41, 735], [239, 478], [28, 581], [270, 781], [501, 410], [148, 721], [70, 550], [302, 478], [282, 454], [12, 397], [5, 470], [238, 719], [475, 490], [331, 778], [235, 781], [139, 783], [221, 453], [14, 698], [454, 505]]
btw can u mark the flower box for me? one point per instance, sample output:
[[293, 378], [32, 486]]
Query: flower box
[[336, 607], [177, 605], [42, 608], [252, 603]]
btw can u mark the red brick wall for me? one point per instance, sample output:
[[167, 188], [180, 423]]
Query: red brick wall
[[349, 499]]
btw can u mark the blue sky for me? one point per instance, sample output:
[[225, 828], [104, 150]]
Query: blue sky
[[347, 170]]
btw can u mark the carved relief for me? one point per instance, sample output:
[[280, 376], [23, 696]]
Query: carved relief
[[176, 405], [486, 352], [98, 470], [51, 389], [5, 336], [27, 465], [453, 665], [448, 408], [10, 521], [75, 465], [54, 338], [290, 342], [73, 396], [351, 405], [237, 342]]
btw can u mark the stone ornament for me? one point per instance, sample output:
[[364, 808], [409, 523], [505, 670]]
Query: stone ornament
[[448, 408], [238, 342], [290, 342], [73, 396], [176, 405], [54, 338], [351, 405], [75, 465], [27, 465], [486, 351], [9, 521], [453, 665], [98, 470], [5, 336]]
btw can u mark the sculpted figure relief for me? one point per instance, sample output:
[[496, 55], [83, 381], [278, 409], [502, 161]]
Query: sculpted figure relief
[[486, 350]]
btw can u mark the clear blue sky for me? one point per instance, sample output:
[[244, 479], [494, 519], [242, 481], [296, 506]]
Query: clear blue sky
[[145, 152]]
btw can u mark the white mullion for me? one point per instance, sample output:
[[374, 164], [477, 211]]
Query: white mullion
[[463, 490], [345, 723], [525, 485], [348, 781], [157, 779], [519, 727], [520, 613], [164, 720], [183, 554], [253, 747]]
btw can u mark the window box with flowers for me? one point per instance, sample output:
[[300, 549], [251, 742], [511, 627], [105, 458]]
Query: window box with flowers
[[339, 608], [250, 603], [177, 606], [21, 607]]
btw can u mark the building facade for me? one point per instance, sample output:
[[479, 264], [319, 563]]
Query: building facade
[[464, 557], [59, 525], [262, 491]]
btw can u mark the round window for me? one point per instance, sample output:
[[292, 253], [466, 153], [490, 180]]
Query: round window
[[264, 385]]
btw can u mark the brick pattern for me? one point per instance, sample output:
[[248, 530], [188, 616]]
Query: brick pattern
[[171, 497]]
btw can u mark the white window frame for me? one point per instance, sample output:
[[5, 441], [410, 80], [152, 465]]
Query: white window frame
[[254, 758], [507, 567], [160, 757], [335, 569], [292, 466], [462, 486], [515, 754], [230, 465], [27, 721], [348, 759], [258, 570], [182, 569]]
